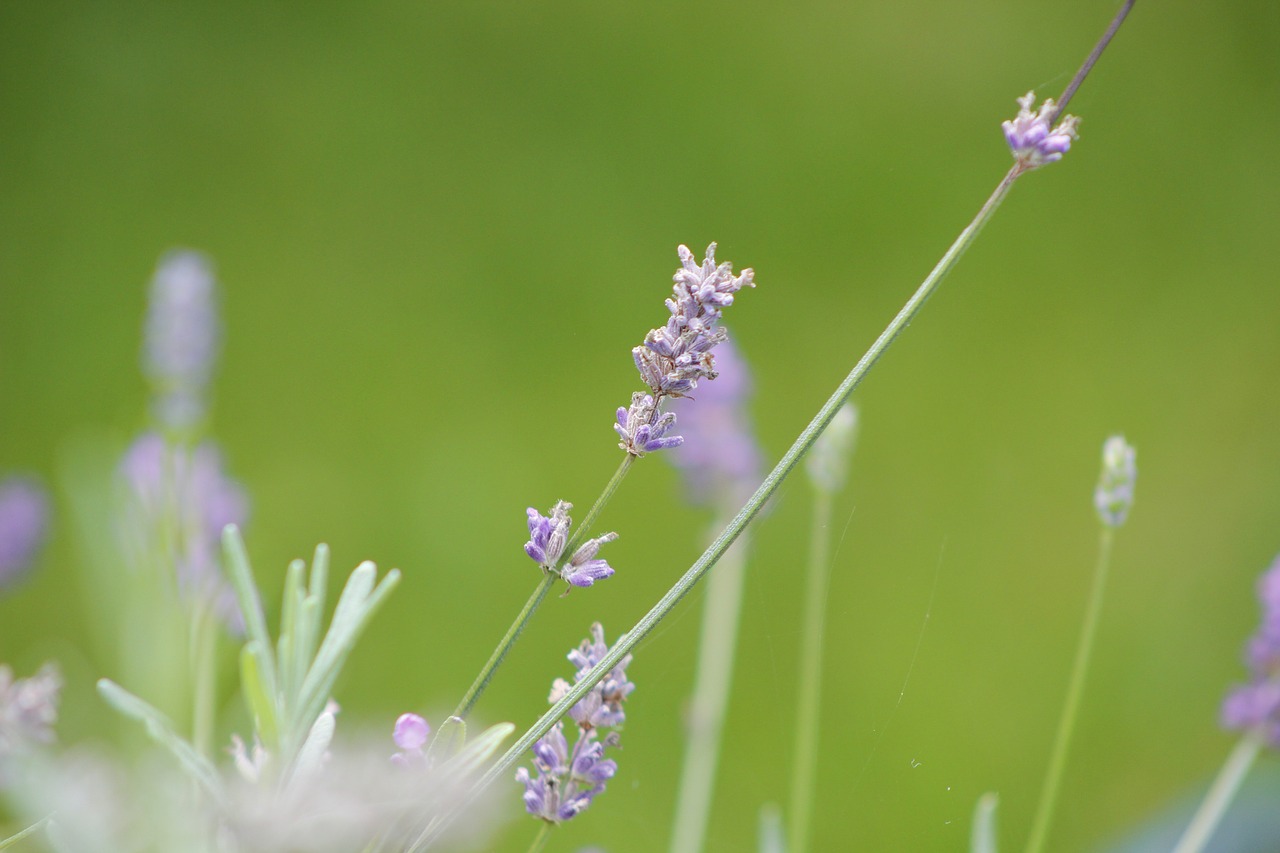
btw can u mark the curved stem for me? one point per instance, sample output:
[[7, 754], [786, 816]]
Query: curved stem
[[754, 504], [809, 691], [1071, 707], [508, 640], [713, 677], [1221, 793]]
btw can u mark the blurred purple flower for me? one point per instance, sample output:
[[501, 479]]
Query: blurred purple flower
[[1256, 705], [1113, 497], [1030, 137], [24, 520], [179, 500], [567, 781], [410, 735], [181, 337], [720, 459]]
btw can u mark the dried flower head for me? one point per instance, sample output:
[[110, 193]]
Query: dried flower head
[[1030, 137], [24, 518]]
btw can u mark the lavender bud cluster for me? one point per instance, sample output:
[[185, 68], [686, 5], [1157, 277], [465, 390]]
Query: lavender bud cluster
[[24, 517], [548, 537], [1031, 139], [1113, 497], [676, 355], [1256, 705], [178, 501], [181, 338], [567, 779]]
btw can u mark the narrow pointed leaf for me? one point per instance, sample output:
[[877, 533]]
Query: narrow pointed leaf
[[255, 622], [448, 740]]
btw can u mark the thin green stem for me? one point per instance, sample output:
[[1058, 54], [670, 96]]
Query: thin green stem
[[716, 550], [584, 526], [713, 676], [1221, 793], [26, 833], [540, 840], [809, 692], [1075, 690], [500, 653], [508, 640], [204, 641]]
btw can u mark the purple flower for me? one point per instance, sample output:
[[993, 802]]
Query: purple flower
[[676, 355], [178, 501], [720, 460], [1256, 705], [24, 518], [181, 337], [1031, 139], [28, 712], [1113, 497], [548, 537], [640, 432], [567, 781], [410, 735]]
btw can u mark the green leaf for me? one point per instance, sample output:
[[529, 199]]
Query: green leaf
[[982, 837], [255, 622], [357, 604], [477, 752], [311, 755], [30, 830], [772, 838], [161, 731], [258, 695], [449, 738], [290, 607]]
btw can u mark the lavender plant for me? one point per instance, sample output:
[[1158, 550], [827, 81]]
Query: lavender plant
[[288, 785]]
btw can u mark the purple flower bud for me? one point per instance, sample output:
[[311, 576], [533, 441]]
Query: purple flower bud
[[1256, 705], [1030, 138], [181, 338], [583, 568], [548, 536], [24, 518], [410, 735]]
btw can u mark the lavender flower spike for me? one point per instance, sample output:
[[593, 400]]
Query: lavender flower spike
[[1256, 705], [583, 568], [24, 517], [1113, 496], [568, 780], [182, 337], [1030, 138]]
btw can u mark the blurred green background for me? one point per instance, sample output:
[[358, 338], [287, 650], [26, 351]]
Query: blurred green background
[[439, 229]]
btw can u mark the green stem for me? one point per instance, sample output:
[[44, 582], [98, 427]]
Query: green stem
[[504, 646], [716, 550], [540, 840], [713, 676], [203, 653], [808, 700], [539, 593], [1075, 689], [1220, 794], [29, 831]]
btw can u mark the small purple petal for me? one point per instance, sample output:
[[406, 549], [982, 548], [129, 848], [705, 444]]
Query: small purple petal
[[411, 732]]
